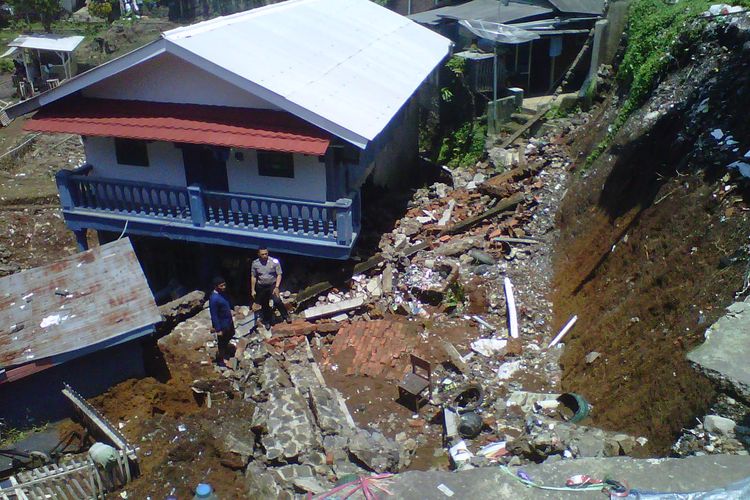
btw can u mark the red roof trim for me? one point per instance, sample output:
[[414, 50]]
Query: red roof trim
[[189, 123]]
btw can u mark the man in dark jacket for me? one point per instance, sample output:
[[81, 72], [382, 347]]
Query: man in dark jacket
[[222, 322]]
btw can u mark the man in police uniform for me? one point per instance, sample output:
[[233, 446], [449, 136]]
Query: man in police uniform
[[265, 278]]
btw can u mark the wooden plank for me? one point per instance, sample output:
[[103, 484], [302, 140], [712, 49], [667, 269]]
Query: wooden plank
[[526, 126], [318, 288], [471, 221], [508, 239]]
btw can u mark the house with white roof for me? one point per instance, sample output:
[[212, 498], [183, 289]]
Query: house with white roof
[[258, 128]]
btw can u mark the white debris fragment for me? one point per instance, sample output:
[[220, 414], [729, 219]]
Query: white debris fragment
[[52, 319], [507, 370], [460, 453], [447, 491], [717, 134], [488, 347]]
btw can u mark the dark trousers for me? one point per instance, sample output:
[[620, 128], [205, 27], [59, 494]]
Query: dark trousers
[[224, 349], [264, 293]]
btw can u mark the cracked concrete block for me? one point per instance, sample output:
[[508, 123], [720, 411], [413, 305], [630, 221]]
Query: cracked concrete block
[[723, 356], [719, 425]]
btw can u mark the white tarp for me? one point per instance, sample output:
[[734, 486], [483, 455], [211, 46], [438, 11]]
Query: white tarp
[[496, 32]]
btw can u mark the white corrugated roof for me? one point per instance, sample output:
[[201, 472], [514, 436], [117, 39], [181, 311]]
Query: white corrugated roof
[[345, 65], [57, 43]]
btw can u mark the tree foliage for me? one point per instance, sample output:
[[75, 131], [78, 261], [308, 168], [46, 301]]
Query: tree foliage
[[45, 11], [101, 9]]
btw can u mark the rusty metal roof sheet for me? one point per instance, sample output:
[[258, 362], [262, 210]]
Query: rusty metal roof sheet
[[190, 123], [79, 304]]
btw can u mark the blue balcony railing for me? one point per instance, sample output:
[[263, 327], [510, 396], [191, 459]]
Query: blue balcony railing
[[326, 222]]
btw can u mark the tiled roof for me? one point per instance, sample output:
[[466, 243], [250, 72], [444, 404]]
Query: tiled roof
[[188, 123]]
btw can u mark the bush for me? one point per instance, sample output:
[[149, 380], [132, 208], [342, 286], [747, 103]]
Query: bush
[[465, 146], [6, 65], [100, 9], [657, 35]]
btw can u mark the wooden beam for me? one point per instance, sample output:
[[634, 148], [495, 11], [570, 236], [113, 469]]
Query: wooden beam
[[471, 221], [526, 126], [318, 288]]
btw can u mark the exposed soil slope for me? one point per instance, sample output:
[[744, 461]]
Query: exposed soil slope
[[653, 246]]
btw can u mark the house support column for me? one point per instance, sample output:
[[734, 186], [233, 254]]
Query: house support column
[[197, 208], [344, 227], [81, 239]]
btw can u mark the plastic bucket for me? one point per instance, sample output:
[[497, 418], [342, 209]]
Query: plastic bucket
[[575, 407]]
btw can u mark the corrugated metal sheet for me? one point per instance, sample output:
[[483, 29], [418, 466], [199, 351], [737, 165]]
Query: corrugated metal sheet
[[593, 7], [77, 303], [58, 43], [190, 123], [350, 63], [486, 10]]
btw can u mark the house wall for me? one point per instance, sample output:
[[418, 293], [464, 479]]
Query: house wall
[[309, 182], [37, 399], [166, 167], [391, 157], [167, 78], [165, 162]]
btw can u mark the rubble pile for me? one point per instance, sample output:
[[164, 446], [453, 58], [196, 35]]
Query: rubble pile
[[441, 274], [724, 430], [303, 437]]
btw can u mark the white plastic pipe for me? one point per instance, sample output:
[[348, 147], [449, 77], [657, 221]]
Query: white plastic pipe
[[512, 318], [564, 331]]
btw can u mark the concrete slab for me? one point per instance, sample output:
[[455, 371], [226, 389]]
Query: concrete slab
[[723, 356], [646, 475]]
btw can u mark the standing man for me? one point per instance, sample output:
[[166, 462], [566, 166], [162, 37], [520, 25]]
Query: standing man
[[265, 278], [222, 322]]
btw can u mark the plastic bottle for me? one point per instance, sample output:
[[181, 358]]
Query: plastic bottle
[[204, 492]]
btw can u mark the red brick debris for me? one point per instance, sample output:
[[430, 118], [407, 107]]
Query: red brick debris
[[373, 348], [301, 327]]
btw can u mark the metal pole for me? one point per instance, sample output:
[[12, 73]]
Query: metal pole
[[552, 72], [528, 77], [408, 8], [494, 88]]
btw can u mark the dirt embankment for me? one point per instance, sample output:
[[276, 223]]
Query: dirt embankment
[[654, 246]]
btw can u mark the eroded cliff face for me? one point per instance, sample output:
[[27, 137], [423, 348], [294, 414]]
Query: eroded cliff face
[[654, 243]]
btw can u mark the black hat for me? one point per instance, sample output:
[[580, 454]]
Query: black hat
[[218, 280]]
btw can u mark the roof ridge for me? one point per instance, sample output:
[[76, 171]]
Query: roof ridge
[[221, 21]]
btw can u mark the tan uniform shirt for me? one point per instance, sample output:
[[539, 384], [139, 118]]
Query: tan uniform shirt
[[266, 274]]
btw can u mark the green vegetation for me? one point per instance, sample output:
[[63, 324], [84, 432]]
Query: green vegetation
[[45, 11], [659, 34], [10, 436], [455, 296], [463, 134], [101, 9], [465, 146], [557, 111], [6, 65]]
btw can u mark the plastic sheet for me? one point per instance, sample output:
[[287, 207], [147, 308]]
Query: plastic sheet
[[734, 491]]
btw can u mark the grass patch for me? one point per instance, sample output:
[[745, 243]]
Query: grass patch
[[659, 34]]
